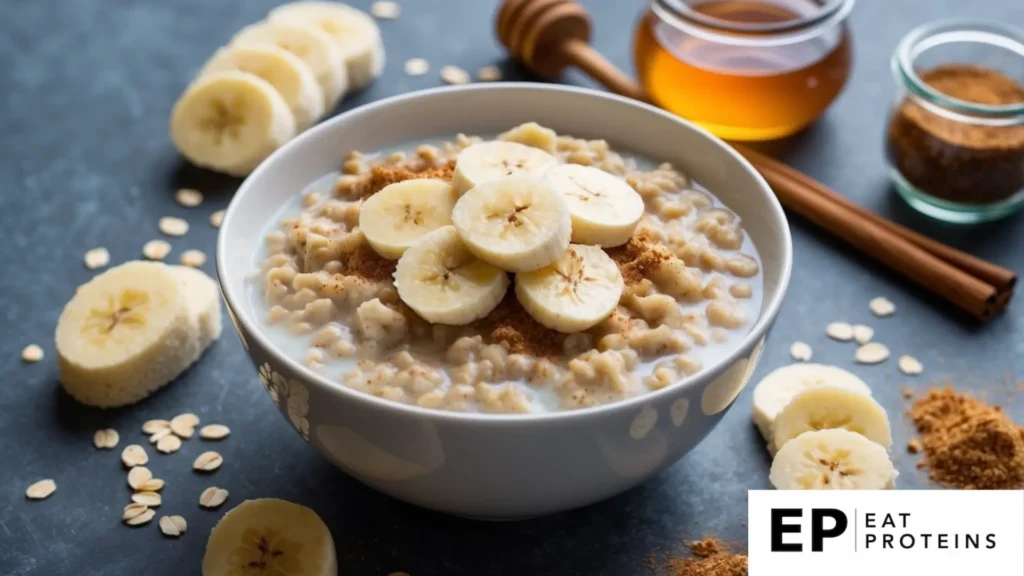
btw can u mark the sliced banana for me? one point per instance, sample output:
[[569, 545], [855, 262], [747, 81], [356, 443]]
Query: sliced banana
[[441, 280], [312, 45], [230, 122], [496, 159], [577, 292], [293, 78], [268, 537], [399, 215], [124, 334], [832, 460], [604, 209], [776, 389], [516, 223], [353, 31], [202, 296], [825, 408]]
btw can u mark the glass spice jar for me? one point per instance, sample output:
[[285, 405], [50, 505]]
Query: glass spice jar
[[744, 69], [955, 141]]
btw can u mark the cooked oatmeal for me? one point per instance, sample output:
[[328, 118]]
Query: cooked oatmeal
[[689, 285]]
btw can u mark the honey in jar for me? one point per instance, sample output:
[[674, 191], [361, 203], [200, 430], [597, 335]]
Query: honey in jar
[[744, 69]]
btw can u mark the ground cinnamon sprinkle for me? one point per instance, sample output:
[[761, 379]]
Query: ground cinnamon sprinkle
[[382, 176], [366, 263], [639, 257], [511, 324], [712, 558], [968, 443]]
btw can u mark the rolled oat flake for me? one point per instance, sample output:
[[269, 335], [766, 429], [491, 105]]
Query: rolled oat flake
[[872, 353], [41, 490]]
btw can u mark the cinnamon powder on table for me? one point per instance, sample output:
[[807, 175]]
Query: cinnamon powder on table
[[968, 443], [711, 558]]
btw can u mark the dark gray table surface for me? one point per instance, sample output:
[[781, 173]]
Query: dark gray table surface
[[85, 161]]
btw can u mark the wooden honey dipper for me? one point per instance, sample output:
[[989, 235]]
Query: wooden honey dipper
[[550, 35]]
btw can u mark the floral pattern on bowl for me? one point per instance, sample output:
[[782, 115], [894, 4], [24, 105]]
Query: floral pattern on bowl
[[289, 395]]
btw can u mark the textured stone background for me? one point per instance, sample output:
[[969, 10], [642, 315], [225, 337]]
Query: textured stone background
[[85, 161]]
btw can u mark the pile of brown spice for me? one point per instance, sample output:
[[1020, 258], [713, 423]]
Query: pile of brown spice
[[639, 258], [711, 558], [512, 324], [382, 176], [968, 443]]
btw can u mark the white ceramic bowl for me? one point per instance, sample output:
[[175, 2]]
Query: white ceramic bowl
[[485, 465]]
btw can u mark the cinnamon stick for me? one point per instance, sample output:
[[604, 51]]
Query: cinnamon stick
[[1001, 278], [975, 296]]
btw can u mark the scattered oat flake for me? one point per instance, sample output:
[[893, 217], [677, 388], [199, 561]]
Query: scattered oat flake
[[214, 432], [151, 485], [188, 197], [882, 307], [872, 353], [910, 365], [168, 527], [863, 334], [42, 489], [97, 258], [156, 249], [151, 499], [159, 435], [169, 444], [142, 518], [173, 226], [416, 67], [179, 523], [454, 75], [134, 455], [839, 331], [138, 475], [385, 10], [489, 74], [152, 426], [914, 446], [32, 353], [208, 461], [801, 351], [133, 510], [216, 218], [193, 258], [184, 425], [213, 497], [106, 438]]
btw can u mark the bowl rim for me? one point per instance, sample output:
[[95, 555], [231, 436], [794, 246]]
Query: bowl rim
[[758, 331]]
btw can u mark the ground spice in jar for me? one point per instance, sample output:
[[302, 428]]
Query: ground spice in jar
[[955, 159], [968, 443]]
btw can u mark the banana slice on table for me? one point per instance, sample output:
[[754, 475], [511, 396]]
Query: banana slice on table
[[604, 209], [776, 389], [354, 32], [832, 460], [230, 122], [202, 297], [312, 45], [496, 159], [441, 280], [399, 215], [515, 223], [825, 408], [124, 334], [272, 537], [577, 292], [293, 78]]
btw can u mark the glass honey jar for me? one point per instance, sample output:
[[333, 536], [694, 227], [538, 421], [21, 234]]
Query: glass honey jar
[[744, 69]]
